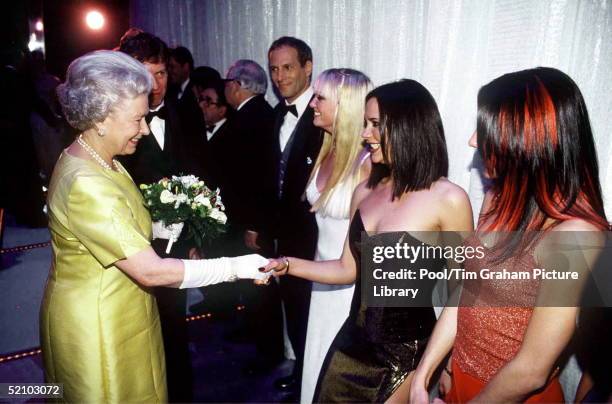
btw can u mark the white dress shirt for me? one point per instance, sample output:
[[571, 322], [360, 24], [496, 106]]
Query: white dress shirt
[[209, 135], [158, 127], [301, 103]]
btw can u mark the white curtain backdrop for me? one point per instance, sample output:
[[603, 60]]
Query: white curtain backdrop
[[451, 46]]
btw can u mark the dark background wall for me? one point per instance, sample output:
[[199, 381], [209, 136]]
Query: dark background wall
[[67, 36], [13, 30]]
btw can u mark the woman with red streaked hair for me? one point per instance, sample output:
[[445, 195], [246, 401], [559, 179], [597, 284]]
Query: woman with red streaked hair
[[534, 136]]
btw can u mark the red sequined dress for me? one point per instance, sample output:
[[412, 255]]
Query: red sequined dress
[[492, 318]]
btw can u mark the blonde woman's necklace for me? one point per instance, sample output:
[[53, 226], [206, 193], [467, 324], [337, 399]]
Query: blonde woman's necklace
[[95, 155]]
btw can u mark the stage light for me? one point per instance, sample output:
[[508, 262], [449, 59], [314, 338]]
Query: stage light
[[39, 25], [95, 20]]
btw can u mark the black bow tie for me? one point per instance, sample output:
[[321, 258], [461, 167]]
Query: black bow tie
[[160, 113], [290, 108], [210, 128]]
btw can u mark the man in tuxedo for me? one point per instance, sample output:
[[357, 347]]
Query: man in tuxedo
[[245, 85], [162, 154], [250, 174], [222, 298], [295, 147], [180, 67], [215, 111]]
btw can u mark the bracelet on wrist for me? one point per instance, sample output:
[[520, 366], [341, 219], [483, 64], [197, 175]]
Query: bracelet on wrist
[[286, 264]]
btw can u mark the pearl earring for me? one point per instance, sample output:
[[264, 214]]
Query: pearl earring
[[101, 131]]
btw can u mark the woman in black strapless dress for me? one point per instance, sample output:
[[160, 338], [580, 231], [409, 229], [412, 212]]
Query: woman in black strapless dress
[[377, 348]]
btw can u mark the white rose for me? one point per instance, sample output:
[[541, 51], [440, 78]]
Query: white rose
[[167, 197], [180, 198], [202, 200], [218, 216]]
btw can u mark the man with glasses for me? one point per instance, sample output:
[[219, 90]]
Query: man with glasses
[[251, 167], [220, 299], [245, 86]]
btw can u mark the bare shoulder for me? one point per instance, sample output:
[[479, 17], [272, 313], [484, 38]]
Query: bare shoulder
[[450, 194], [573, 238], [453, 206]]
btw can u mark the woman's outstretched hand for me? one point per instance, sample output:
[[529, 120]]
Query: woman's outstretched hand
[[277, 266]]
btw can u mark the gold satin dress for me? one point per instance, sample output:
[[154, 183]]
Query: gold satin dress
[[100, 330]]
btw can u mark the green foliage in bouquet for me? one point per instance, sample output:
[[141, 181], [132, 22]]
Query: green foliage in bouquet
[[188, 200]]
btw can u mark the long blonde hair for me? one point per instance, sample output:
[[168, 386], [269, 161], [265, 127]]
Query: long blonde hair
[[348, 88]]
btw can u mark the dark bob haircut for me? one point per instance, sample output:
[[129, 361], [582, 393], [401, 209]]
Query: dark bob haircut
[[411, 137], [535, 139], [145, 47], [303, 50]]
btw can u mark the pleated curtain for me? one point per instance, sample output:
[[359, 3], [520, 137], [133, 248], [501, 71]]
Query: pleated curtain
[[451, 46]]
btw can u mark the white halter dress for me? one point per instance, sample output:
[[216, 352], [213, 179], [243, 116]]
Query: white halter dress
[[329, 304]]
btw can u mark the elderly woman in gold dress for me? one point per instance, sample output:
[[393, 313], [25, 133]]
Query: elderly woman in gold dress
[[100, 330]]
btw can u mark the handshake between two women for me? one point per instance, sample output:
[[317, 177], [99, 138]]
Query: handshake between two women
[[253, 266]]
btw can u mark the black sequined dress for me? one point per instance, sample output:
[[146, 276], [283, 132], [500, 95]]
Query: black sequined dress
[[376, 347]]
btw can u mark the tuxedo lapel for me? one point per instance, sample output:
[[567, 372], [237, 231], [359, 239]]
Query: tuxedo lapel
[[278, 122], [219, 135], [301, 132], [168, 138], [171, 130], [152, 144]]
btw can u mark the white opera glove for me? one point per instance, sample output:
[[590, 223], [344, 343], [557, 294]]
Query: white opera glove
[[210, 271], [172, 231]]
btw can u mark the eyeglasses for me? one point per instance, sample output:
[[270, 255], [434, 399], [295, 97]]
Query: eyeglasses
[[207, 100]]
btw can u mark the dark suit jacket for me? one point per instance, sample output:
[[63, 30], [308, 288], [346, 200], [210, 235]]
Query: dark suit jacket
[[218, 155], [192, 122], [189, 108], [246, 170], [293, 225]]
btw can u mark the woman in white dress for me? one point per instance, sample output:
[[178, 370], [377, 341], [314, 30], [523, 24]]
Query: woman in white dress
[[338, 104]]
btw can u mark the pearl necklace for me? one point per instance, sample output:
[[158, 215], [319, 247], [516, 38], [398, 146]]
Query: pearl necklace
[[95, 155]]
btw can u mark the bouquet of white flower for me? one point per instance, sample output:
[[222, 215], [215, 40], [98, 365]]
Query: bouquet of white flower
[[187, 200]]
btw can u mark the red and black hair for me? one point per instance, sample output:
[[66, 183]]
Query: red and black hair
[[535, 138]]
